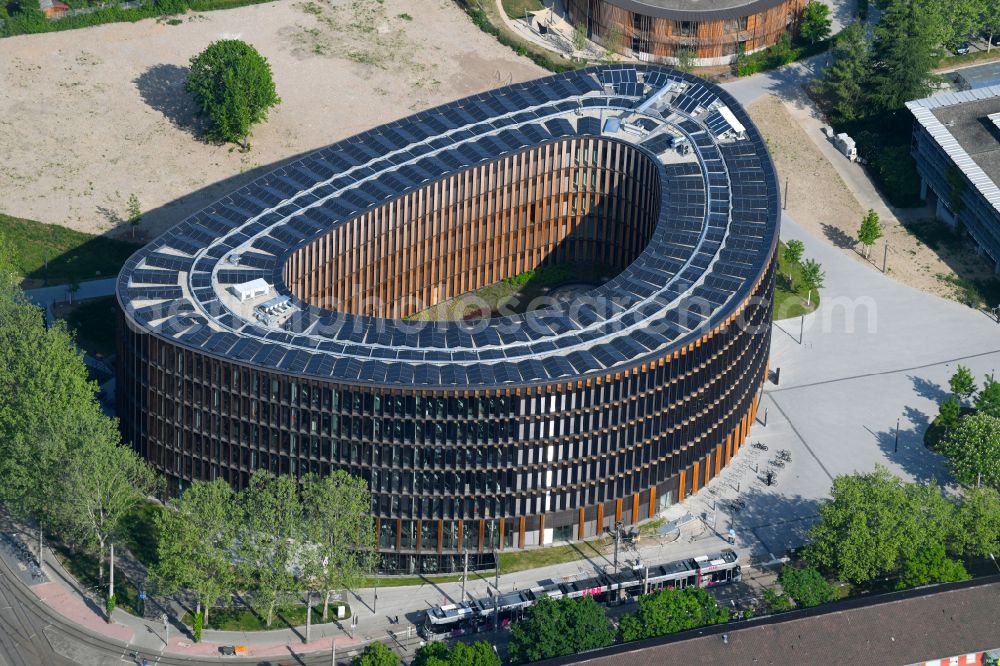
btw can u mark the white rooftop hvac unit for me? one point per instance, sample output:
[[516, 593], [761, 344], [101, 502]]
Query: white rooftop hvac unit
[[252, 289]]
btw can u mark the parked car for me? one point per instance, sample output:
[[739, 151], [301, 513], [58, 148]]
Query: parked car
[[963, 48]]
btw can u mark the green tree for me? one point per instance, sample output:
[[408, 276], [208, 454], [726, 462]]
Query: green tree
[[973, 449], [988, 400], [842, 85], [962, 383], [103, 481], [614, 39], [870, 231], [580, 36], [806, 586], [685, 56], [197, 541], [376, 654], [792, 254], [977, 523], [815, 26], [991, 21], [813, 276], [48, 414], [134, 212], [232, 85], [862, 529], [949, 413], [962, 18], [905, 52], [556, 628], [669, 611], [438, 653], [930, 565], [270, 537], [340, 528]]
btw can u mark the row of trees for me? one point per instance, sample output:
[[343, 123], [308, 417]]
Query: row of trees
[[62, 463], [568, 626], [276, 536], [437, 653], [876, 526]]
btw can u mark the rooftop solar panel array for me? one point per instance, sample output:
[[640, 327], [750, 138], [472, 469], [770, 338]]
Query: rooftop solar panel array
[[718, 217]]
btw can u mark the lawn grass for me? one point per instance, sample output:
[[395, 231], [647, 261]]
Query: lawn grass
[[516, 8], [522, 560], [247, 619], [83, 567], [409, 581], [790, 297], [95, 323], [72, 255]]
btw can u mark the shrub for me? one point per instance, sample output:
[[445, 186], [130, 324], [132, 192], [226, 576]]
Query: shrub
[[199, 623]]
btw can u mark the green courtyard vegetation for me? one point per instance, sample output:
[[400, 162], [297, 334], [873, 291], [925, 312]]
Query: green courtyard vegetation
[[518, 293], [796, 291]]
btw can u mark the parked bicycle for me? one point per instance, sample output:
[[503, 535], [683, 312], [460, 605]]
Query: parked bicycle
[[760, 445]]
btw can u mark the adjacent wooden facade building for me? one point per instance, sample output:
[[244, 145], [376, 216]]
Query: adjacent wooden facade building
[[710, 32]]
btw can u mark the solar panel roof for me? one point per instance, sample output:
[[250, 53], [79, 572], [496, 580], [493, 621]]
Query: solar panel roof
[[715, 233]]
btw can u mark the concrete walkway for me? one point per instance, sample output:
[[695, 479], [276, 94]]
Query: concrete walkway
[[47, 297]]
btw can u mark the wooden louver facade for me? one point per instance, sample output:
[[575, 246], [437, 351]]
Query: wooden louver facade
[[707, 39]]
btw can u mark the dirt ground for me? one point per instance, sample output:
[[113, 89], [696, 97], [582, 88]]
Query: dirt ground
[[89, 117], [832, 211]]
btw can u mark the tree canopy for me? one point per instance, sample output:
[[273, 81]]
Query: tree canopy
[[232, 85], [842, 84], [805, 585], [376, 654], [905, 51], [868, 526], [669, 611], [870, 231], [556, 628], [816, 22], [962, 383], [973, 449], [439, 653], [197, 542]]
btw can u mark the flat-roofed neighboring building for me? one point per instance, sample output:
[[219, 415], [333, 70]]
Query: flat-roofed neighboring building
[[956, 143]]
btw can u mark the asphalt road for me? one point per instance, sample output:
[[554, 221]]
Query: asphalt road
[[32, 634]]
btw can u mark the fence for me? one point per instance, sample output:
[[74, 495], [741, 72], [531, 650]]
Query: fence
[[132, 4]]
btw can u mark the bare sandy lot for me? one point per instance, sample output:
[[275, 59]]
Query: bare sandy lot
[[820, 201], [89, 117]]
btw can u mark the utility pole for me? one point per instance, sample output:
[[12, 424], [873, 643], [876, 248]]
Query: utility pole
[[618, 536], [785, 205], [333, 653], [375, 599], [895, 448], [111, 587], [41, 559], [166, 629], [309, 615], [885, 256], [802, 327], [496, 561], [465, 572], [645, 572]]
